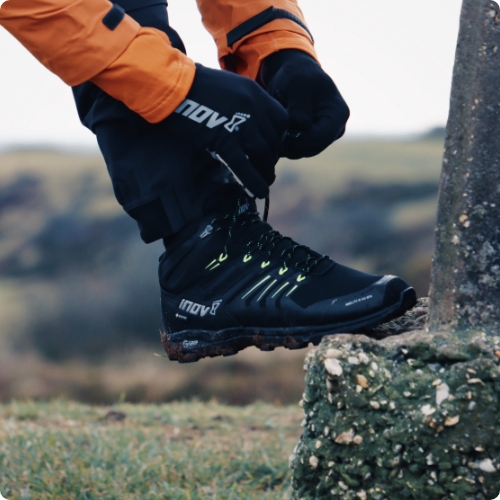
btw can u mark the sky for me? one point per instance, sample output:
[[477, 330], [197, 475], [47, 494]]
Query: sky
[[391, 59]]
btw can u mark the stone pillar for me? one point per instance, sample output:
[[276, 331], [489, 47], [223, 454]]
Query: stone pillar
[[465, 282]]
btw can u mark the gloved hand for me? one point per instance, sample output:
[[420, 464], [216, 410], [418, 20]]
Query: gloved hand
[[317, 112], [237, 121]]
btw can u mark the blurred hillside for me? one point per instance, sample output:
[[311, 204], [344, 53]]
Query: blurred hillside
[[78, 289]]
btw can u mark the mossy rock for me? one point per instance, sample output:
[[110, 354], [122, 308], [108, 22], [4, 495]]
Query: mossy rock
[[415, 416]]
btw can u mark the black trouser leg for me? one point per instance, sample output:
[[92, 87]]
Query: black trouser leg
[[161, 182]]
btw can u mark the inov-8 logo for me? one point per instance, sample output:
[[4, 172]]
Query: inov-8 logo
[[199, 114], [199, 309]]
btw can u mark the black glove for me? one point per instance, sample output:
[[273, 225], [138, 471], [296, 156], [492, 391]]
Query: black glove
[[235, 119], [317, 112]]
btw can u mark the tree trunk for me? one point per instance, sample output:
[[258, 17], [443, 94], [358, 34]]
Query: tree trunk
[[465, 282]]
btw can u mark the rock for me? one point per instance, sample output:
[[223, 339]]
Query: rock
[[345, 437], [362, 381], [357, 439], [411, 447], [465, 282], [442, 393], [333, 367], [451, 421], [411, 321], [487, 466], [427, 410], [365, 359], [475, 381], [333, 353]]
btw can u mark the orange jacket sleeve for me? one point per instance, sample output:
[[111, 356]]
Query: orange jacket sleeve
[[221, 17], [136, 65]]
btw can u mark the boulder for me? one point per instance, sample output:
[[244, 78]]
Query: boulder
[[413, 416]]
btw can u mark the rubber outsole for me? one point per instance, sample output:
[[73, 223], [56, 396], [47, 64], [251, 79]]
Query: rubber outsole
[[182, 347]]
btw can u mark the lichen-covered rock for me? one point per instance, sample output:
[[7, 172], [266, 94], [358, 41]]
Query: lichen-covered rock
[[415, 416]]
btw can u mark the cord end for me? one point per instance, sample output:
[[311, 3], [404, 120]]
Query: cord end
[[266, 209]]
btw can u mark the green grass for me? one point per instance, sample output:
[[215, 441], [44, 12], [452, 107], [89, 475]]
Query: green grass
[[64, 450]]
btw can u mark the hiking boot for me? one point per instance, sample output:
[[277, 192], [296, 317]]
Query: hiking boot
[[230, 281]]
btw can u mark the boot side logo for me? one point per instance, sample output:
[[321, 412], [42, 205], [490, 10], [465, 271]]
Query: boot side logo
[[195, 309], [244, 208], [215, 306]]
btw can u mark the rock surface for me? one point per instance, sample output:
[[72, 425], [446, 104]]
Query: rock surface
[[410, 416]]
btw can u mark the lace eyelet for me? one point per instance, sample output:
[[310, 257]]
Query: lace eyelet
[[223, 257], [247, 258], [283, 270], [300, 278], [265, 264]]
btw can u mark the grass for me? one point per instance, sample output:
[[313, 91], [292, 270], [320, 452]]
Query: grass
[[378, 161], [65, 450], [137, 376], [329, 172]]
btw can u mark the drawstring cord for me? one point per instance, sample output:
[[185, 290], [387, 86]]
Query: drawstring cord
[[266, 209]]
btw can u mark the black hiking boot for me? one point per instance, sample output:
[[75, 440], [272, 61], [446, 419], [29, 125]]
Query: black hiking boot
[[230, 281]]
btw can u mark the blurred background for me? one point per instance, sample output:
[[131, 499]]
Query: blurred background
[[79, 301]]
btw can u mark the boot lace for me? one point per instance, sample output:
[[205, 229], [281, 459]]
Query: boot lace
[[268, 240]]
